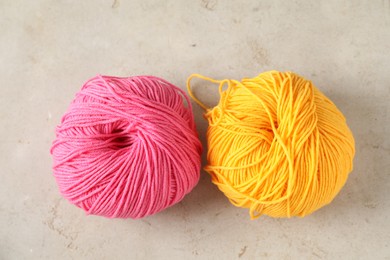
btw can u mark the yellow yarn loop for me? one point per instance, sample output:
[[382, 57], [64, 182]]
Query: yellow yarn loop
[[276, 144]]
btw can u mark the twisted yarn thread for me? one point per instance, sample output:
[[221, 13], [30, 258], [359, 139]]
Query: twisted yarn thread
[[127, 147], [276, 144]]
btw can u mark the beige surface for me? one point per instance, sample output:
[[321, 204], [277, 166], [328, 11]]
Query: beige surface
[[49, 48]]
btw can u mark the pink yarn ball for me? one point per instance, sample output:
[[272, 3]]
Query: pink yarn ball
[[127, 147]]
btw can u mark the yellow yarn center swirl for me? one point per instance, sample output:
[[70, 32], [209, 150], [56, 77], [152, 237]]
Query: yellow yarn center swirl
[[276, 144]]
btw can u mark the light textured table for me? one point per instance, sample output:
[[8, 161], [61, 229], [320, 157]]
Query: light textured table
[[49, 48]]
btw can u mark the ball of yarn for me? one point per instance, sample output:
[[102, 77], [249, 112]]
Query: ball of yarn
[[127, 147], [277, 145]]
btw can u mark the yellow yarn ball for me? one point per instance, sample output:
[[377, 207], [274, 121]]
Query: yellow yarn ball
[[276, 144]]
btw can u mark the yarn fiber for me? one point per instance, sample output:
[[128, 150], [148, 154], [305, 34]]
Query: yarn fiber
[[127, 147], [276, 144]]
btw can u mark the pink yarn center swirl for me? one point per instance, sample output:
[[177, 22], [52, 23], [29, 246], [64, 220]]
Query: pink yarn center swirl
[[127, 147]]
